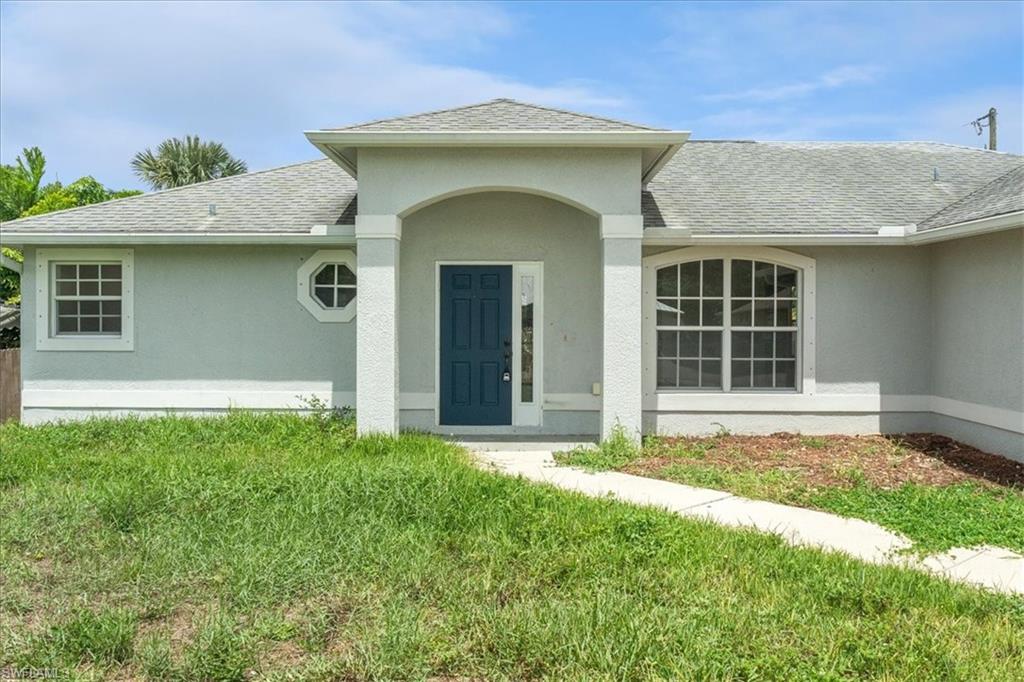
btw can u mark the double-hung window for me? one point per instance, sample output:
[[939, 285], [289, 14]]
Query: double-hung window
[[727, 324], [85, 299]]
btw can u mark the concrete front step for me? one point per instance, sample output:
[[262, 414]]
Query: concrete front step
[[546, 444]]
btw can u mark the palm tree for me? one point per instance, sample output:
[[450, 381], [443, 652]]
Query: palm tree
[[178, 162], [20, 184]]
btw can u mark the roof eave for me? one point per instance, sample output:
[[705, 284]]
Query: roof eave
[[317, 235], [898, 235], [659, 145], [499, 138], [969, 228], [901, 235]]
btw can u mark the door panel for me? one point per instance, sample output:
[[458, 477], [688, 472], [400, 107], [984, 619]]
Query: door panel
[[476, 337]]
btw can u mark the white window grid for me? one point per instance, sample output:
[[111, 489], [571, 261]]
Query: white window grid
[[726, 328], [704, 308], [87, 298]]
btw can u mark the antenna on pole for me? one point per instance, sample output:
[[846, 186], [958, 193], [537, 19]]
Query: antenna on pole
[[990, 123]]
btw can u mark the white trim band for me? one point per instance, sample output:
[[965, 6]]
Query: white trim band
[[278, 398], [341, 237], [627, 226], [378, 227]]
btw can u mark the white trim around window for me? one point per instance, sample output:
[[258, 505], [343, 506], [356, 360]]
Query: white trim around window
[[305, 285], [48, 338], [805, 268]]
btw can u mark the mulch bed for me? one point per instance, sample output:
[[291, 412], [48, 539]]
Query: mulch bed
[[827, 461]]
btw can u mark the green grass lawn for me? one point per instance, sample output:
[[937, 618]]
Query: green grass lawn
[[280, 547], [934, 517]]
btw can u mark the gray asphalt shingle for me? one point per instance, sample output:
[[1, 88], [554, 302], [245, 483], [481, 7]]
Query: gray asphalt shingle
[[498, 114], [1003, 195], [287, 199], [819, 187], [708, 187]]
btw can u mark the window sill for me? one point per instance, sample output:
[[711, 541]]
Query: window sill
[[719, 401], [84, 343], [734, 392]]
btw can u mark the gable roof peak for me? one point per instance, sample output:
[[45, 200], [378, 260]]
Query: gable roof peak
[[500, 114]]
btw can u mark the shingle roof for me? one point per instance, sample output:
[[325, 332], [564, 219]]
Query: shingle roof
[[708, 187], [1003, 195], [287, 199], [819, 187], [10, 316], [497, 115]]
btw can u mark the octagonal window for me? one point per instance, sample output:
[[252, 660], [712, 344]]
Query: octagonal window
[[334, 285]]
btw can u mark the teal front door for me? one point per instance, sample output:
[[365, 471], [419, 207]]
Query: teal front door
[[476, 344]]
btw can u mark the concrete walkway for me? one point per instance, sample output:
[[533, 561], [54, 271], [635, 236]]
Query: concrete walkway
[[991, 567]]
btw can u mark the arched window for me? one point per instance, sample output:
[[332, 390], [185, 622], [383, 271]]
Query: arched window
[[726, 323]]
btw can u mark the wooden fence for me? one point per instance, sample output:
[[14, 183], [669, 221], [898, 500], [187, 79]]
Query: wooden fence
[[10, 384]]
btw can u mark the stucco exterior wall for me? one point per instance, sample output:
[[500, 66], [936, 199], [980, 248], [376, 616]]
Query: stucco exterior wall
[[505, 227], [872, 334], [398, 181], [907, 339], [213, 323], [977, 319], [925, 338], [977, 338]]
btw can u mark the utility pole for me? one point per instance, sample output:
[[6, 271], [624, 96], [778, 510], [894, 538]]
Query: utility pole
[[978, 126], [992, 128]]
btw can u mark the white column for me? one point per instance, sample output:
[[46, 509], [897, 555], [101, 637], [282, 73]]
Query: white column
[[622, 357], [377, 257]]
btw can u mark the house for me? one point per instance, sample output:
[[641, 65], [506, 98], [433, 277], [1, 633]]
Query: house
[[519, 269]]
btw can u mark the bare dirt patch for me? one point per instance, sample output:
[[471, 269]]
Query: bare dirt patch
[[829, 461], [178, 627], [286, 655]]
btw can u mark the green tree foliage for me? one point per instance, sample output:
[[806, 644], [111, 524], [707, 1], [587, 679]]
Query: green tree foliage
[[10, 281], [19, 184], [22, 194], [178, 162], [83, 191]]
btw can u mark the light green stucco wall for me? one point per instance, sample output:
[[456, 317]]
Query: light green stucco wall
[[397, 181], [214, 313], [945, 320], [230, 313], [872, 314], [977, 319], [872, 318]]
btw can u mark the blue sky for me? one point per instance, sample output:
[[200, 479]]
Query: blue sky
[[91, 84]]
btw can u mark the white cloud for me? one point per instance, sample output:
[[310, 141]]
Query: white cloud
[[742, 39], [936, 119], [786, 124], [92, 83], [836, 78]]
